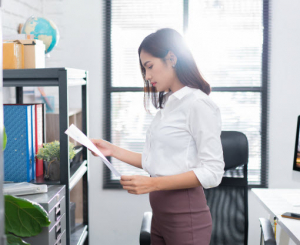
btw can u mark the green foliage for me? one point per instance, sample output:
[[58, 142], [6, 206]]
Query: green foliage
[[14, 240], [24, 218], [4, 138], [51, 151]]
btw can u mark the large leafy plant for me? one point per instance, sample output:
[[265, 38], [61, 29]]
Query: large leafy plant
[[51, 151], [23, 219]]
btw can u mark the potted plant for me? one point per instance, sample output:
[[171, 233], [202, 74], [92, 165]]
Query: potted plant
[[50, 153]]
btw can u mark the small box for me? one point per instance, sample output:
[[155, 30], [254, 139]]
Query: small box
[[34, 53], [13, 55]]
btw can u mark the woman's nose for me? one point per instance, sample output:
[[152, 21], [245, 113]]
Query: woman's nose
[[147, 76]]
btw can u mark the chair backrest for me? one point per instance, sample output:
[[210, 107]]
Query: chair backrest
[[235, 149], [228, 202]]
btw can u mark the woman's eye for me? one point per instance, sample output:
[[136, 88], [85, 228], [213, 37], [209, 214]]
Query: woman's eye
[[150, 67]]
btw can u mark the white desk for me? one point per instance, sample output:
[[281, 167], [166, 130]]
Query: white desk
[[274, 200]]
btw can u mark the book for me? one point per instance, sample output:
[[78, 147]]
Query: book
[[23, 188], [39, 135], [18, 152], [39, 132], [33, 137]]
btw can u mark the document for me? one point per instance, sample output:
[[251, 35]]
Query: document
[[80, 137]]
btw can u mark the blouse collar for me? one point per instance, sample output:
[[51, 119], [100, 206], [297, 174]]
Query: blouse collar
[[179, 94]]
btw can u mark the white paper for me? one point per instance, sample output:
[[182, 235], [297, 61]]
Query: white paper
[[80, 137]]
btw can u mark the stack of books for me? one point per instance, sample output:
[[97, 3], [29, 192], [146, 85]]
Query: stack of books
[[24, 125]]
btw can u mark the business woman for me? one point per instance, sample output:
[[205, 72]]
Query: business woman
[[182, 152]]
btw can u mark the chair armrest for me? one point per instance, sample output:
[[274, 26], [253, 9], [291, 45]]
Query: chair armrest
[[267, 231], [146, 229]]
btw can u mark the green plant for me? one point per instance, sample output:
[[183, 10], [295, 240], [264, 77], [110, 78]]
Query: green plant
[[23, 218], [51, 151]]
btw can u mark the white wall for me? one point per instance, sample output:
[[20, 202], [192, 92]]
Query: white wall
[[15, 12], [284, 106], [115, 216]]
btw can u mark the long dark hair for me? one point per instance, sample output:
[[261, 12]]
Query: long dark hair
[[158, 44]]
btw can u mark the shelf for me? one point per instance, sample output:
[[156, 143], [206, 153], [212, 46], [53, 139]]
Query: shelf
[[79, 234], [72, 111], [42, 77], [76, 82], [76, 172], [41, 180]]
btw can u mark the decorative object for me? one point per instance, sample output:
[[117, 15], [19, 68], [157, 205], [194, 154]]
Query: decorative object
[[51, 154], [42, 29], [33, 217]]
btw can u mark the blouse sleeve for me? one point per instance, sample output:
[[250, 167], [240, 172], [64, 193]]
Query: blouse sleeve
[[204, 122]]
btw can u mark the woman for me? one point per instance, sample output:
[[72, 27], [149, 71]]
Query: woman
[[183, 152]]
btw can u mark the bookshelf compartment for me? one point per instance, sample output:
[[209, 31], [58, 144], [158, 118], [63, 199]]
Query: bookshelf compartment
[[75, 177]]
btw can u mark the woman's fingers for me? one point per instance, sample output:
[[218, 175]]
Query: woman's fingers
[[126, 177], [95, 141]]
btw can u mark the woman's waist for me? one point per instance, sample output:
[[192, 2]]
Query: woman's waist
[[179, 201]]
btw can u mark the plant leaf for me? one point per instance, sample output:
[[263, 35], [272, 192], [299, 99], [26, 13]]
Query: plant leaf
[[4, 138], [23, 217], [14, 240]]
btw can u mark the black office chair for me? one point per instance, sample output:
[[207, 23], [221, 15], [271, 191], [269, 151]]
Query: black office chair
[[267, 235], [228, 202]]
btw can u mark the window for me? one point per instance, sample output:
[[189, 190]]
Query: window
[[229, 41]]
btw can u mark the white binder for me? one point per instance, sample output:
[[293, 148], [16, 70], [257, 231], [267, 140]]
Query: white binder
[[23, 188]]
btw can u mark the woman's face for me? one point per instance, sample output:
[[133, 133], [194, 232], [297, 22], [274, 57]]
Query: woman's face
[[159, 73]]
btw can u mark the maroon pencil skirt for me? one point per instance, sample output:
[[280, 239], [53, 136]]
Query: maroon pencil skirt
[[180, 217]]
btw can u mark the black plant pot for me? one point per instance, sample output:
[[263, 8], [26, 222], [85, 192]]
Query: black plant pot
[[52, 170]]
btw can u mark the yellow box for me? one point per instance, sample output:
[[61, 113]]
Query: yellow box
[[13, 55]]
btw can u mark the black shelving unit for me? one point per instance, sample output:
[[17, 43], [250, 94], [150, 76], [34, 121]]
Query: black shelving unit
[[63, 78], [2, 218]]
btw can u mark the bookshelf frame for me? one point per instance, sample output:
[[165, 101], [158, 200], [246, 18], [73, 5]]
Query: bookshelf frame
[[2, 209], [63, 78]]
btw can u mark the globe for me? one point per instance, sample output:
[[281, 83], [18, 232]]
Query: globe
[[42, 29]]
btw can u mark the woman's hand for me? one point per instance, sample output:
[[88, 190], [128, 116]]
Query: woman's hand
[[138, 184], [104, 146]]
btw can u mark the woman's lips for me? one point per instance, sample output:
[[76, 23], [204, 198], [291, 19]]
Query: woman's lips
[[153, 84]]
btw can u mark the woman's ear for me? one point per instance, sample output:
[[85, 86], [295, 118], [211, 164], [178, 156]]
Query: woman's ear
[[172, 58]]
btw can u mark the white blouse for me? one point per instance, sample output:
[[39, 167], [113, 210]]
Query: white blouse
[[185, 136]]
